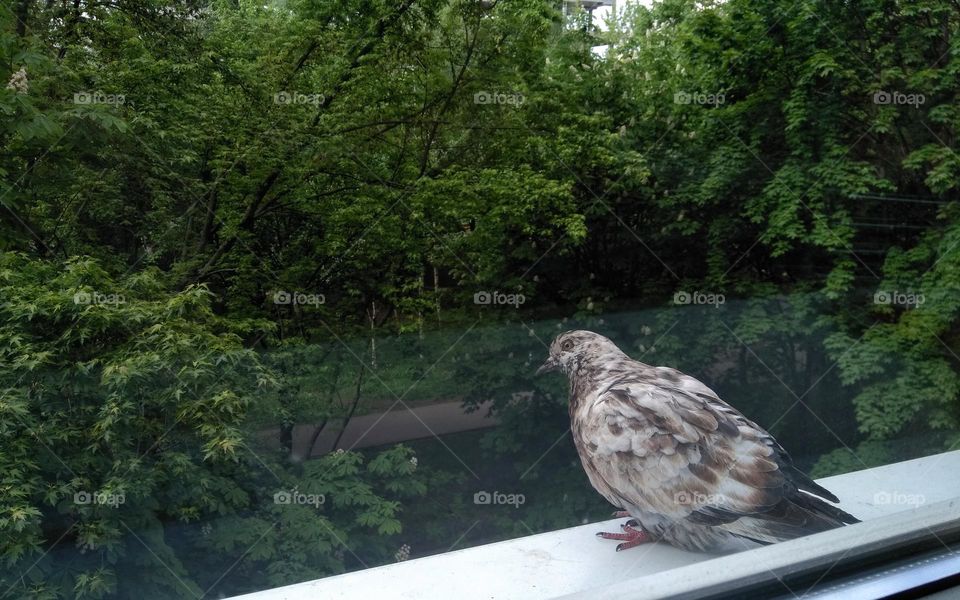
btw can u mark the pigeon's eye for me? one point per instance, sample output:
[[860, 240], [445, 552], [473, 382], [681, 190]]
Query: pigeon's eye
[[567, 346]]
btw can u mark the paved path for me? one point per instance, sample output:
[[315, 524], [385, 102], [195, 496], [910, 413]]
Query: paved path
[[396, 425]]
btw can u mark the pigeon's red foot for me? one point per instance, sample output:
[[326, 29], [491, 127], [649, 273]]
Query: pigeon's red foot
[[621, 514], [630, 537]]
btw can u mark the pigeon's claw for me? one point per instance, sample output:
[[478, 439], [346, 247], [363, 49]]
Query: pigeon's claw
[[630, 537]]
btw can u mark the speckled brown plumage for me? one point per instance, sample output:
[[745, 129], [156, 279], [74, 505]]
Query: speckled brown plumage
[[691, 469]]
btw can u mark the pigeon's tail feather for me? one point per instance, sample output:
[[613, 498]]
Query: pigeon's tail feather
[[800, 515], [805, 483], [812, 503]]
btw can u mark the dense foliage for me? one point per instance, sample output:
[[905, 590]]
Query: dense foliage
[[223, 220]]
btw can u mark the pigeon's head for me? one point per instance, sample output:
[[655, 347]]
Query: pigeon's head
[[573, 349]]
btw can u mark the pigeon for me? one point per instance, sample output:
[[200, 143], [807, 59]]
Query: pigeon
[[689, 469]]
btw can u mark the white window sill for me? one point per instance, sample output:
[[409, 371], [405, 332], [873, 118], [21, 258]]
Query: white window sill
[[567, 561]]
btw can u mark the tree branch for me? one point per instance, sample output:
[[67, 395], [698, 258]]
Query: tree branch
[[267, 184]]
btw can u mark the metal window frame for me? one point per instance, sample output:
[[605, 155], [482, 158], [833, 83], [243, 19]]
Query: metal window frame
[[814, 563]]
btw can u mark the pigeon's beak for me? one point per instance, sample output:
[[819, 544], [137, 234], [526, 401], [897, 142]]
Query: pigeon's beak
[[549, 365]]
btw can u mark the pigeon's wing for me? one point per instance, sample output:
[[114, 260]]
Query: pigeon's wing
[[683, 454], [700, 392]]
